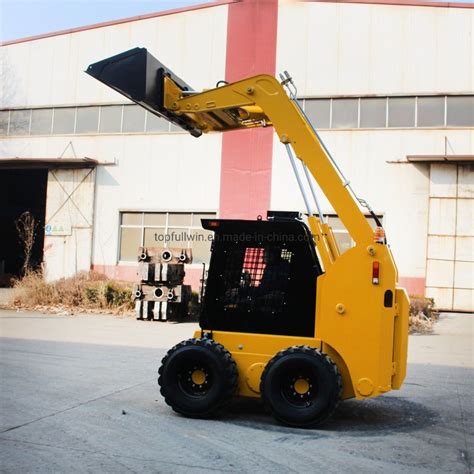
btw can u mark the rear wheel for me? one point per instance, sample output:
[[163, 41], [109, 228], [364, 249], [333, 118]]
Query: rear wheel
[[301, 386], [197, 377]]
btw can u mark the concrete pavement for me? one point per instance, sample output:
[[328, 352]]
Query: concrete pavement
[[79, 394]]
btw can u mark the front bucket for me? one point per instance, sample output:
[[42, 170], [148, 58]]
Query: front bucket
[[139, 76]]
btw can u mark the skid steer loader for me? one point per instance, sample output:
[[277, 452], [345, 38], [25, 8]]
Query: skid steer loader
[[286, 317]]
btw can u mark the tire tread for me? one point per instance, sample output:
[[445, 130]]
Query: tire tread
[[229, 366], [314, 352]]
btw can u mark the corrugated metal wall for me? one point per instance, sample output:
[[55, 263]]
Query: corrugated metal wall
[[450, 256]]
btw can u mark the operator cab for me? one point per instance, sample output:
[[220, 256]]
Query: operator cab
[[262, 276]]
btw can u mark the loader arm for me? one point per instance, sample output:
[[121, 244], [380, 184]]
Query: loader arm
[[258, 101], [261, 101]]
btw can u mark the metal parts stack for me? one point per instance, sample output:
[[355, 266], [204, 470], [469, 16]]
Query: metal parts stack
[[161, 295]]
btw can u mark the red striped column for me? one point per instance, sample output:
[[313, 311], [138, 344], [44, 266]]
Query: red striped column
[[246, 167]]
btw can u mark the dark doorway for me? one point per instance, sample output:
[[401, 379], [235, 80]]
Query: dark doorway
[[20, 190]]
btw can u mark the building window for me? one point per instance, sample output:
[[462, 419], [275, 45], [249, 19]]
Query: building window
[[373, 112], [319, 112], [343, 239], [87, 120], [345, 113], [19, 122], [110, 119], [155, 123], [164, 229], [460, 111], [4, 122], [133, 119], [41, 121], [130, 240], [401, 112], [324, 113], [430, 111], [64, 120]]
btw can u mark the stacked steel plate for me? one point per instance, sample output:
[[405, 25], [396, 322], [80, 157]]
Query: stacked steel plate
[[161, 295]]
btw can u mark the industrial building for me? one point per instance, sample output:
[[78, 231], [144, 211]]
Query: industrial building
[[389, 85]]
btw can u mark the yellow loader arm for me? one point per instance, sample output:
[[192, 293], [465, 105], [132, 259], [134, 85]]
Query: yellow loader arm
[[259, 101]]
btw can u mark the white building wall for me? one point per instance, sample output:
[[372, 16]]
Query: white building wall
[[182, 174], [335, 49], [138, 172], [167, 171], [340, 49], [330, 49], [50, 71], [399, 191]]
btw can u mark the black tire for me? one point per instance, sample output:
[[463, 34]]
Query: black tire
[[197, 356], [315, 372]]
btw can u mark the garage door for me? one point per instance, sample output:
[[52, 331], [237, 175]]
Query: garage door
[[450, 253]]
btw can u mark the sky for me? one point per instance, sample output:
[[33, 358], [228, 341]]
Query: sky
[[22, 18]]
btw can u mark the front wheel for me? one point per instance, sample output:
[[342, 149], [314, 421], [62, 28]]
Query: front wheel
[[301, 386], [197, 377]]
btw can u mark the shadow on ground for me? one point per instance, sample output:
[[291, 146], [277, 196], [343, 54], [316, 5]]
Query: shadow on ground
[[381, 416]]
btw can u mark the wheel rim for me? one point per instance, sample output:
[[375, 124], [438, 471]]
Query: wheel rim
[[302, 386], [299, 389], [195, 380], [198, 377]]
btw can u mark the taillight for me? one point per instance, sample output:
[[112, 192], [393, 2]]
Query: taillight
[[375, 273]]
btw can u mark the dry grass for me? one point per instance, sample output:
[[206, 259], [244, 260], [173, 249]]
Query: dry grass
[[422, 315], [94, 292], [84, 292]]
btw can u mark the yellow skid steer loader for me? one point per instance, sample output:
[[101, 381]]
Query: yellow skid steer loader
[[285, 317]]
